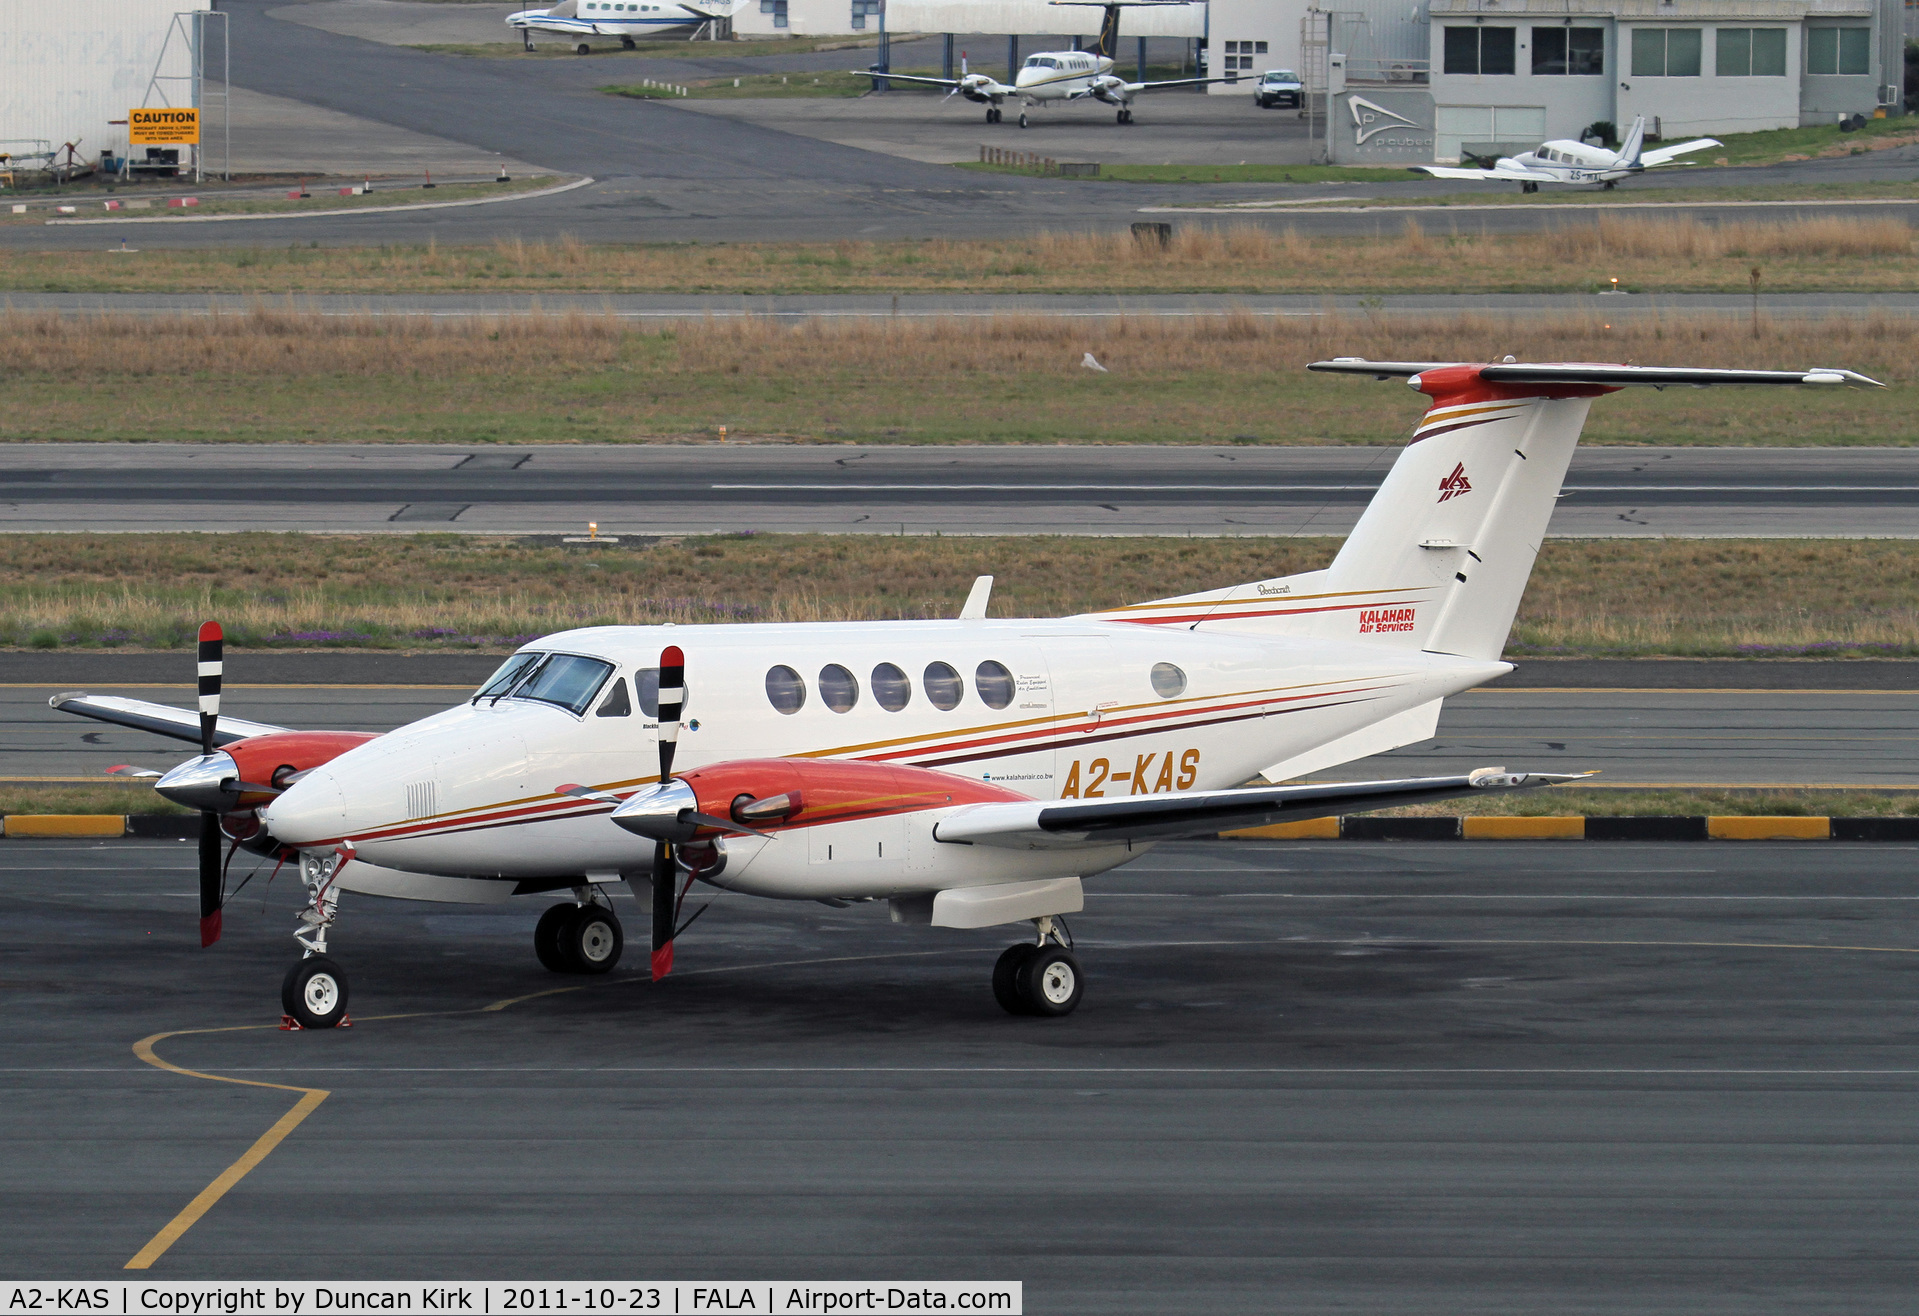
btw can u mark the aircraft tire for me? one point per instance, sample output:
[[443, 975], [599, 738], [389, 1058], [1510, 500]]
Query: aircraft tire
[[1050, 982], [1022, 118], [583, 49], [1006, 977], [314, 992], [549, 944], [626, 43], [592, 939]]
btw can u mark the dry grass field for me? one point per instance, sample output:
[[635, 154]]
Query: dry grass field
[[280, 376], [1754, 598], [1845, 250]]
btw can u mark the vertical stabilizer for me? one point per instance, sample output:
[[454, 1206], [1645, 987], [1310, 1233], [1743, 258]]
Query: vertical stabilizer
[[1635, 143]]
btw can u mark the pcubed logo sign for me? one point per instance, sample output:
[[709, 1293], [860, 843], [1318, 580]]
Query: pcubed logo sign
[[1382, 126], [1455, 484]]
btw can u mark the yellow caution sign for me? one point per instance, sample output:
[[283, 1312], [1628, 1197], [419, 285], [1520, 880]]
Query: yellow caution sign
[[160, 126]]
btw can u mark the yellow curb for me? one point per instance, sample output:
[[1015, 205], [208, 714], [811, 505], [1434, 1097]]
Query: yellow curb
[[1522, 829], [1313, 829], [66, 824], [1721, 828]]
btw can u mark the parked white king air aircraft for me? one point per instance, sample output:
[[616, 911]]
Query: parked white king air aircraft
[[1576, 163], [971, 773], [1062, 75], [580, 21]]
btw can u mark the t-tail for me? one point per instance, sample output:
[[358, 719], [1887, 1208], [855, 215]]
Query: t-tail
[[1441, 556], [1107, 44], [1635, 143]]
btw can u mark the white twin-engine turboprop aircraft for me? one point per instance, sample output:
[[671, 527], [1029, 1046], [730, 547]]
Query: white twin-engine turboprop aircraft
[[1575, 162], [1062, 75], [579, 21], [971, 773]]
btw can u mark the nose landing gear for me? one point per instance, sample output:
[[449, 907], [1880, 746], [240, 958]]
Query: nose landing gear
[[314, 992], [1040, 978]]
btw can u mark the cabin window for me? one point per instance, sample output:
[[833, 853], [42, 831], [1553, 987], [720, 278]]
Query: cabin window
[[1665, 52], [1575, 51], [785, 689], [508, 675], [1168, 680], [942, 685], [839, 688], [891, 687], [616, 704], [994, 683], [1837, 49], [1475, 50], [566, 681], [1750, 52]]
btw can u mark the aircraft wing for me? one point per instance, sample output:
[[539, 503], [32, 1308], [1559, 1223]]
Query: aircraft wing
[[160, 719], [1176, 82], [1488, 175], [982, 85], [1669, 154], [1067, 824]]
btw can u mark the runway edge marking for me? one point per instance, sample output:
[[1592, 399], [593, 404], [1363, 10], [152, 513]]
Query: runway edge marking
[[334, 214]]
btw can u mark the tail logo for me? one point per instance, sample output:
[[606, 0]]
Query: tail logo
[[1456, 483]]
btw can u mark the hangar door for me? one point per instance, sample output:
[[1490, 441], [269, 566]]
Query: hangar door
[[1486, 129]]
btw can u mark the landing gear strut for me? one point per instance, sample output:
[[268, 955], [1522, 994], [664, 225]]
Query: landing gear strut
[[1039, 977], [314, 992], [1529, 187], [579, 938]]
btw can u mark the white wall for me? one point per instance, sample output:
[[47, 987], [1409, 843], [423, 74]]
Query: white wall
[[1276, 22], [1709, 104], [1021, 16], [68, 68]]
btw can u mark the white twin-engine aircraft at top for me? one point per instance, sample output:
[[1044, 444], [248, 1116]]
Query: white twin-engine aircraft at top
[[579, 21], [971, 773], [1062, 75], [1575, 162]]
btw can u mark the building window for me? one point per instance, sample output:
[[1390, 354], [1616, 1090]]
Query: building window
[[1665, 52], [861, 9], [1480, 50], [1750, 52], [1579, 51], [1838, 49], [777, 8]]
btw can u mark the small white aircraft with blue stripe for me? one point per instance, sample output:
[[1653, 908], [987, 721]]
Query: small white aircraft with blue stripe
[[1574, 163], [580, 21]]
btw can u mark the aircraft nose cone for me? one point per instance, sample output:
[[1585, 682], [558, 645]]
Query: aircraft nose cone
[[655, 812], [312, 810], [202, 783]]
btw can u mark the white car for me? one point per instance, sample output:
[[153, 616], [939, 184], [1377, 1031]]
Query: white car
[[1278, 87]]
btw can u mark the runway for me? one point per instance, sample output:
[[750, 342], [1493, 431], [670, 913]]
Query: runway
[[667, 173], [1474, 1078], [1638, 723], [661, 489]]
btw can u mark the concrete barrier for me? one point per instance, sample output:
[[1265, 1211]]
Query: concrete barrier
[[66, 824]]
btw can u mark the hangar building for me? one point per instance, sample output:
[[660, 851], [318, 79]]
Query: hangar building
[[67, 70]]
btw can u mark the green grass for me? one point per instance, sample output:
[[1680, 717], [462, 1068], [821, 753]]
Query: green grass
[[1508, 194], [115, 795], [1781, 144], [1586, 598]]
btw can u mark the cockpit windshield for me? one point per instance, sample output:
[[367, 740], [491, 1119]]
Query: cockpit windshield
[[507, 675], [1042, 62], [566, 680]]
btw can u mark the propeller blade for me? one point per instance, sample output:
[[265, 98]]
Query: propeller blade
[[664, 874], [212, 667], [579, 792], [672, 699], [128, 770], [209, 879]]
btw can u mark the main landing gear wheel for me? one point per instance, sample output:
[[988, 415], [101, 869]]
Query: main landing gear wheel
[[583, 49], [1529, 187], [1022, 118], [314, 992], [1125, 116], [547, 941], [592, 939], [626, 43], [992, 114], [1006, 977], [1049, 982]]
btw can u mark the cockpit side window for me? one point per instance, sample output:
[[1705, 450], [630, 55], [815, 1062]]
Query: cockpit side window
[[508, 675], [646, 685], [616, 704], [567, 681]]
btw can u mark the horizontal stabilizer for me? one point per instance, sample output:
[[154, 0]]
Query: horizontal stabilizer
[[1596, 373]]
